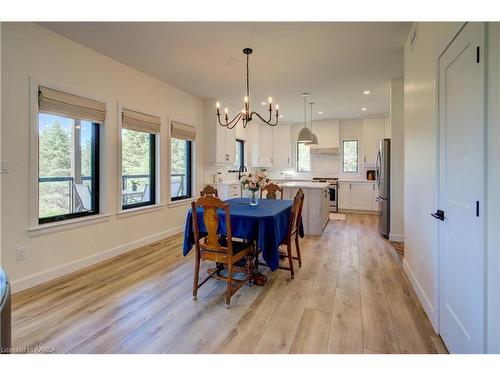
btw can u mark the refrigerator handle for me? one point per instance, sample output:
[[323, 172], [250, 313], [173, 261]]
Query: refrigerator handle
[[377, 168]]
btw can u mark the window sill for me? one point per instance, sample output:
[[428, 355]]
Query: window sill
[[180, 202], [140, 210], [68, 224]]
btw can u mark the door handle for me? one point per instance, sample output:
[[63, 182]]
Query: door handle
[[439, 214], [379, 199]]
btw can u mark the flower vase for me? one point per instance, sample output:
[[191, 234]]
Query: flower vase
[[254, 200]]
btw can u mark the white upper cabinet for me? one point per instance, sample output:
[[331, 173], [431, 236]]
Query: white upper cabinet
[[219, 142], [282, 149], [266, 146], [269, 146], [373, 132]]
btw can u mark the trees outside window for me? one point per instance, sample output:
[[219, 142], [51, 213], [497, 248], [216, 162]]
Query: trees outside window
[[303, 158], [350, 156], [180, 169], [68, 165], [138, 168]]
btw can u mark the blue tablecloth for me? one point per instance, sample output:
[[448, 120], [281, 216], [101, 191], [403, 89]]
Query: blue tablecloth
[[267, 224]]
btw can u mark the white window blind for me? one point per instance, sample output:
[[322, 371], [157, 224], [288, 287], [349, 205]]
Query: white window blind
[[138, 121], [182, 131], [57, 102]]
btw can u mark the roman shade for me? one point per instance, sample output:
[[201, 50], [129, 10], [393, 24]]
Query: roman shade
[[138, 121], [61, 103], [182, 131]]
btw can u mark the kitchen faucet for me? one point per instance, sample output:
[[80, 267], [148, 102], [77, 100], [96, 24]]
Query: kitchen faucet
[[241, 169]]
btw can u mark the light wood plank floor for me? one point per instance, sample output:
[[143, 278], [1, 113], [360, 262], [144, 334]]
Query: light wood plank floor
[[350, 296]]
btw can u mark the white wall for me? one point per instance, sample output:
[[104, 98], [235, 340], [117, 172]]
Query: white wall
[[397, 160], [420, 171], [29, 50], [493, 183]]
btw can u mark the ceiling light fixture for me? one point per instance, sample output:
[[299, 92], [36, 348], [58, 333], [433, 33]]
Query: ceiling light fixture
[[363, 109], [366, 92], [320, 113], [246, 115], [305, 134], [314, 137]]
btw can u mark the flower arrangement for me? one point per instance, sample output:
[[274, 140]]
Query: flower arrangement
[[254, 182]]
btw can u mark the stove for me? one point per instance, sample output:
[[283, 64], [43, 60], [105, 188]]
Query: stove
[[334, 190]]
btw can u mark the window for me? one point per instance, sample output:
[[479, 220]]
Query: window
[[303, 158], [350, 156], [180, 169], [239, 154], [68, 168], [138, 168]]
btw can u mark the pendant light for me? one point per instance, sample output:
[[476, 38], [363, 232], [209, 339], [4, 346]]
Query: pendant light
[[305, 134], [314, 137]]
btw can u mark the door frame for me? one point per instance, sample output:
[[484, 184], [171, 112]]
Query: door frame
[[437, 181]]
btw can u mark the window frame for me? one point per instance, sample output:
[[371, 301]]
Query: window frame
[[343, 155], [189, 170], [297, 159], [241, 145], [152, 173], [95, 171]]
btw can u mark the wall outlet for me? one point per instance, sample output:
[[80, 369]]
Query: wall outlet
[[20, 254]]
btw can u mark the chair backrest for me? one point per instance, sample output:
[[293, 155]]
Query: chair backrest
[[83, 197], [146, 195], [209, 190], [271, 191], [296, 216], [211, 206]]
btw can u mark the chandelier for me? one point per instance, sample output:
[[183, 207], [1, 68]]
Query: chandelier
[[246, 115]]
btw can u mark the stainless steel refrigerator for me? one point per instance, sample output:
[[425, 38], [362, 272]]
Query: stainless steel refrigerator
[[383, 174]]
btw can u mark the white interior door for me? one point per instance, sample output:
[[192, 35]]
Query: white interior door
[[461, 197]]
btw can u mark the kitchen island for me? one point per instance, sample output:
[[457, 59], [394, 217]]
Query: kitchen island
[[315, 213]]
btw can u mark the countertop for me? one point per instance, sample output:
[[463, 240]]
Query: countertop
[[304, 184]]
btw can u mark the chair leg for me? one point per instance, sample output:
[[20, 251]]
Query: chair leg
[[298, 251], [196, 276], [290, 260], [229, 284]]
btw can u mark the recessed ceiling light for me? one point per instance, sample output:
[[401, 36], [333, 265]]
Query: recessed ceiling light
[[363, 109], [282, 115], [320, 113], [263, 103], [366, 92]]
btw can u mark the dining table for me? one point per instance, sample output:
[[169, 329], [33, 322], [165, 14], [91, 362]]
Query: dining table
[[265, 224]]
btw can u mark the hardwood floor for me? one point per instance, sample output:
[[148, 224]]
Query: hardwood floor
[[350, 296]]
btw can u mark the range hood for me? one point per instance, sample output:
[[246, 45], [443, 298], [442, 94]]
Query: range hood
[[324, 150]]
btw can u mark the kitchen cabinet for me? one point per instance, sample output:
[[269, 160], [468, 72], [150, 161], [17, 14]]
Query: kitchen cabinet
[[316, 208], [373, 132], [219, 141], [281, 148], [358, 196], [266, 146], [228, 190], [343, 195]]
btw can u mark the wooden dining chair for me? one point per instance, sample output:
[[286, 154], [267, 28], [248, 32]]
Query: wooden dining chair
[[292, 235], [222, 250], [209, 190], [271, 191]]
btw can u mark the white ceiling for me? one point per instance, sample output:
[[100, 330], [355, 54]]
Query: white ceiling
[[334, 61]]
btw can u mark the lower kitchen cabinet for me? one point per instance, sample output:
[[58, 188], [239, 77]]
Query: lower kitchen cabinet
[[358, 196]]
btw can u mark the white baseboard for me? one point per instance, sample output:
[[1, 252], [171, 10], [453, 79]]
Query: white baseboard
[[62, 270], [396, 237], [424, 300]]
